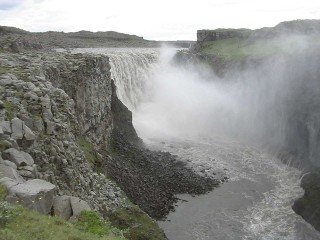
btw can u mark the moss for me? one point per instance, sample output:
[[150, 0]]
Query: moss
[[10, 108], [3, 192], [4, 70], [138, 224], [19, 94], [26, 224], [89, 151], [4, 145]]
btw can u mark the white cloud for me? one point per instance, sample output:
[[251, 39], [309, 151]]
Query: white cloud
[[153, 19]]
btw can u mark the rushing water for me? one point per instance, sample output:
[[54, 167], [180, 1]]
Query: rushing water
[[170, 113]]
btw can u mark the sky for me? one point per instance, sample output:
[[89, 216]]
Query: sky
[[153, 20]]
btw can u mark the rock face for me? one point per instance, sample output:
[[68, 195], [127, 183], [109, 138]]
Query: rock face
[[42, 126], [35, 194]]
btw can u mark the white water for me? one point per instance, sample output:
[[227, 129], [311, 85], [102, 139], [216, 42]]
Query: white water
[[176, 110]]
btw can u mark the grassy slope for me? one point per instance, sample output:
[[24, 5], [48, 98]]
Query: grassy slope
[[237, 49], [18, 223], [25, 224]]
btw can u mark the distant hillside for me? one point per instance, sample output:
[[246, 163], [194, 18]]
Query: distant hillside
[[295, 27], [17, 40]]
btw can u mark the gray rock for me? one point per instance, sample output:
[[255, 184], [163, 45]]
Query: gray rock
[[10, 164], [1, 104], [20, 158], [62, 207], [9, 172], [28, 134], [6, 127], [20, 130], [17, 128], [35, 194], [78, 206]]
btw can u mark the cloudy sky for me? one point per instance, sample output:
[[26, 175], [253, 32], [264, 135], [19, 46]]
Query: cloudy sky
[[158, 20]]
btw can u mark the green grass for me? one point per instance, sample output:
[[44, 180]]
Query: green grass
[[25, 224], [91, 222], [3, 193], [240, 48], [89, 152], [10, 108], [138, 224]]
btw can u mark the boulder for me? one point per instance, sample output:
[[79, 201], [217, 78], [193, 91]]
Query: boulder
[[69, 208], [78, 206], [20, 130], [6, 127], [35, 194], [62, 207], [20, 158], [10, 164], [9, 172], [17, 128]]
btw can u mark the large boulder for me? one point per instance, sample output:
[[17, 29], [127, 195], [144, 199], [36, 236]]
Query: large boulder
[[78, 206], [35, 194], [20, 158], [68, 207], [62, 207]]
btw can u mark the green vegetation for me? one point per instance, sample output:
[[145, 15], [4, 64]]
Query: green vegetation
[[91, 222], [240, 48], [138, 224], [89, 152], [24, 224], [18, 223], [10, 108], [4, 70], [3, 193], [4, 145]]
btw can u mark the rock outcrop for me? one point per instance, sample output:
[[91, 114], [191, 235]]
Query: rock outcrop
[[42, 126]]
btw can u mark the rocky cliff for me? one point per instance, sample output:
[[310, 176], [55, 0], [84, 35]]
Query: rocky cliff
[[64, 134], [66, 129]]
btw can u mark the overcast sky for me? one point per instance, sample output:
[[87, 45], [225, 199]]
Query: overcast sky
[[158, 20]]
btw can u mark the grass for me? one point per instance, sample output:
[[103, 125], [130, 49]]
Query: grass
[[3, 193], [240, 48], [89, 151], [25, 224], [138, 224]]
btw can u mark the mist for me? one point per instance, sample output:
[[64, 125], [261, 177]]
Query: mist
[[273, 104]]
